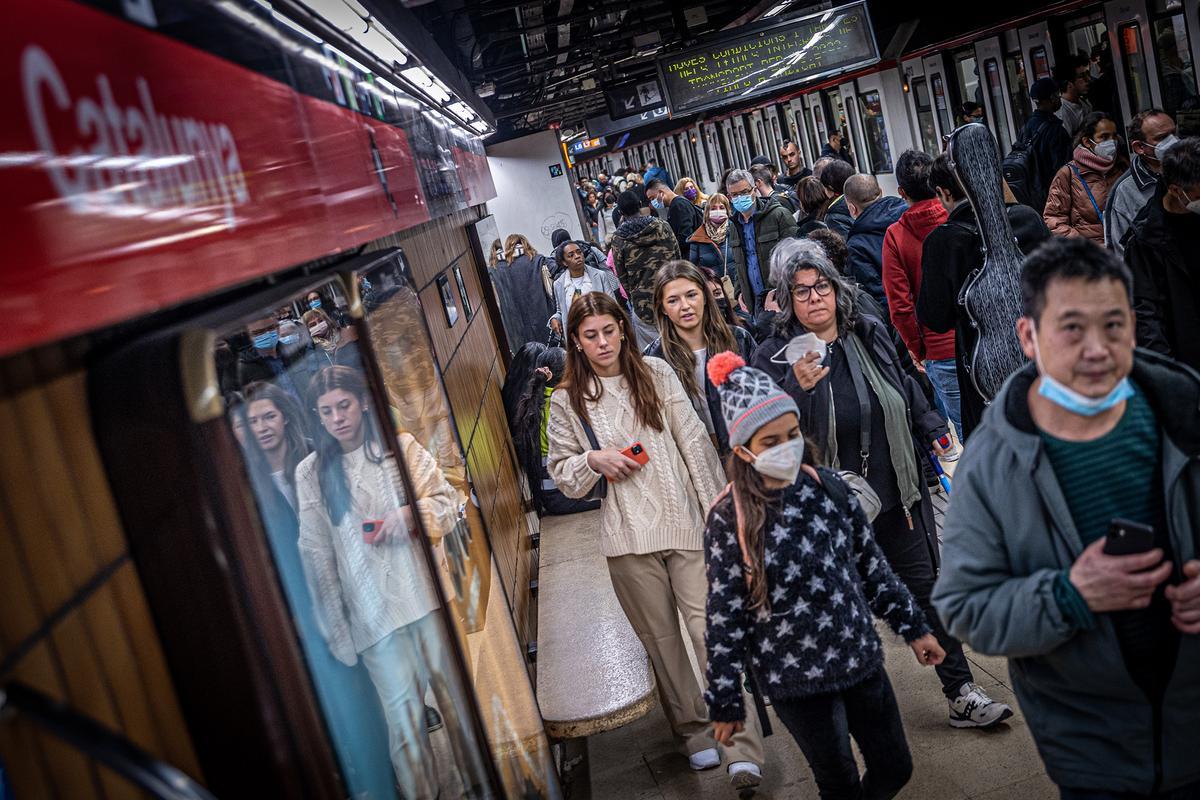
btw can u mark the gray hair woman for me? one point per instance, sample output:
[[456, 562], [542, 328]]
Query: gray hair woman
[[870, 417]]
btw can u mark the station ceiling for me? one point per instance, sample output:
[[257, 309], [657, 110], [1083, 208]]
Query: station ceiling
[[538, 62]]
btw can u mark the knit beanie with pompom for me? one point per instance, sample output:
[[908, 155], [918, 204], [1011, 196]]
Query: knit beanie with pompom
[[749, 398]]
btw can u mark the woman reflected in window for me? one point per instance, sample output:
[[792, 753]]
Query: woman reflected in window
[[333, 345], [370, 582]]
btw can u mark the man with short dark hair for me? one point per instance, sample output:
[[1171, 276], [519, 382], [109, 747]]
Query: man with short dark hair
[[1090, 439], [950, 254], [873, 214], [902, 249], [833, 178], [1163, 251], [764, 184], [1075, 79], [835, 147], [681, 214], [1151, 134], [641, 245], [757, 225], [1049, 143], [793, 165]]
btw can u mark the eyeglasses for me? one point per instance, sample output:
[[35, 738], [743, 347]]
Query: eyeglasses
[[744, 193], [803, 292]]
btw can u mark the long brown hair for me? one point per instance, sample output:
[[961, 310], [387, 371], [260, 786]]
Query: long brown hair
[[510, 247], [717, 335], [335, 487], [751, 496], [580, 381], [294, 434]]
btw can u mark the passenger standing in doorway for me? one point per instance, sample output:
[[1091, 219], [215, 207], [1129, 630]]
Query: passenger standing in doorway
[[1048, 141], [1104, 649], [794, 170], [950, 254], [1151, 134], [1079, 193], [690, 329], [1074, 80], [873, 214], [1163, 252], [837, 213], [969, 112], [652, 514], [902, 249], [577, 279], [835, 147], [794, 578], [680, 213], [869, 417], [758, 226]]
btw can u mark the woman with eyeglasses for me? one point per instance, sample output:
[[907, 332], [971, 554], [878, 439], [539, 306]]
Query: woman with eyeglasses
[[867, 416]]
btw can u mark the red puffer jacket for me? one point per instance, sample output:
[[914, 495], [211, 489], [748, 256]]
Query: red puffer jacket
[[902, 246]]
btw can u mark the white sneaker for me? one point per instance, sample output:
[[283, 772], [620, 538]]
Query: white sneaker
[[974, 709], [705, 759], [744, 775]]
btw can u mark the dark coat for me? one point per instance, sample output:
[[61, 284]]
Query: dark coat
[[843, 154], [865, 243], [837, 217], [1166, 275], [746, 346], [772, 224], [815, 406], [522, 298], [1051, 150], [683, 217], [951, 252], [707, 254]]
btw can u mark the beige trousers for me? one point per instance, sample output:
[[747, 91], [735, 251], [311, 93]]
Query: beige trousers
[[652, 589]]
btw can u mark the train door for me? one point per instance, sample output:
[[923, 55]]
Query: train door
[[966, 84], [1174, 52], [989, 61], [939, 95], [882, 139], [716, 161], [920, 108], [1130, 36], [776, 132], [837, 118], [815, 116], [1037, 52], [1017, 81], [797, 131], [730, 155], [758, 135]]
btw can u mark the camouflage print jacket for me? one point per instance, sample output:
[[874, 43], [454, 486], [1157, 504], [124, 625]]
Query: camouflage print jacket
[[640, 246]]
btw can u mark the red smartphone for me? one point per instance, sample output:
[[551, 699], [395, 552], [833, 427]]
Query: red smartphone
[[637, 453], [370, 530]]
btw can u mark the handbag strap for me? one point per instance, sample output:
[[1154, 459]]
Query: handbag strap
[[864, 402], [600, 490], [1088, 189]]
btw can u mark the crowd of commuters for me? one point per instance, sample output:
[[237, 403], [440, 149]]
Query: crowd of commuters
[[762, 379]]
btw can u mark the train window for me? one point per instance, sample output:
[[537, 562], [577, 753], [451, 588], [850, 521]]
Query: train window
[[1136, 79], [1041, 62], [968, 78], [1176, 76], [1018, 89], [349, 539], [879, 153], [995, 88], [941, 104], [925, 124]]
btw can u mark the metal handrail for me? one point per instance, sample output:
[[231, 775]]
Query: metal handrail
[[96, 741]]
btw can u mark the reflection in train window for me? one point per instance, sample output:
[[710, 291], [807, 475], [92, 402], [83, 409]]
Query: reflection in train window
[[1136, 83], [1018, 89], [995, 88], [875, 132], [1176, 74], [348, 540], [420, 411], [968, 78], [929, 138], [941, 104]]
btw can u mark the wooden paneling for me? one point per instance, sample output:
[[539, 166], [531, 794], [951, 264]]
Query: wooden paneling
[[95, 650]]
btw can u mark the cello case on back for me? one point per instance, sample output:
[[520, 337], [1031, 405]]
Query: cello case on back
[[991, 295]]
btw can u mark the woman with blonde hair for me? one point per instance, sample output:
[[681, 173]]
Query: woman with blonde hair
[[709, 245], [691, 190], [624, 421], [691, 328]]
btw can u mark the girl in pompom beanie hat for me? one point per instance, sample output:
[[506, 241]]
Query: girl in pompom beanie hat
[[794, 577]]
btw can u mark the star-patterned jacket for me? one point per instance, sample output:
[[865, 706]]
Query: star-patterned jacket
[[825, 576]]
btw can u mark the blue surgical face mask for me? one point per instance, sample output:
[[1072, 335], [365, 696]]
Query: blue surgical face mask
[[1070, 400], [290, 339], [266, 340], [743, 203], [656, 202], [314, 303]]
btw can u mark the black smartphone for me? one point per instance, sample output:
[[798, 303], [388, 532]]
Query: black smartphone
[[1127, 538]]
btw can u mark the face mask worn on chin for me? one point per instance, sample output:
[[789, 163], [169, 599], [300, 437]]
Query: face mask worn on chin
[[1160, 149], [1070, 400], [743, 203], [781, 462], [717, 216], [266, 340], [1106, 150]]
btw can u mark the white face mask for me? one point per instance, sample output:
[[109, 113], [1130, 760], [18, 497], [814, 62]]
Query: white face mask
[[781, 462], [1106, 150], [1192, 205], [319, 329], [1160, 149], [799, 347]]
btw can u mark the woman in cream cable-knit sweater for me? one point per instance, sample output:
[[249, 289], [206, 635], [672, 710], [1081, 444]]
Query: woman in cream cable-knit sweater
[[652, 529]]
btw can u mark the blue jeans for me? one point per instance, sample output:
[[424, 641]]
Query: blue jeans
[[943, 375], [823, 724]]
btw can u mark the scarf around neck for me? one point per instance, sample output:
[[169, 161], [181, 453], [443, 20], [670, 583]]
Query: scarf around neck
[[716, 232]]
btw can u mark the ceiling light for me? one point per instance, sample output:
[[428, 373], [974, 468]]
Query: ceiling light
[[778, 8]]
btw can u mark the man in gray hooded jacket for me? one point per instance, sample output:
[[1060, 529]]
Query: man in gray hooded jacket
[[1104, 650]]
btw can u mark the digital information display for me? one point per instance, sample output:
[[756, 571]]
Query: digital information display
[[755, 64]]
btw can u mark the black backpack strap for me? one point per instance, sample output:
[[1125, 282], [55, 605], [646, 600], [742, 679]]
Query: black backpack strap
[[600, 490]]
